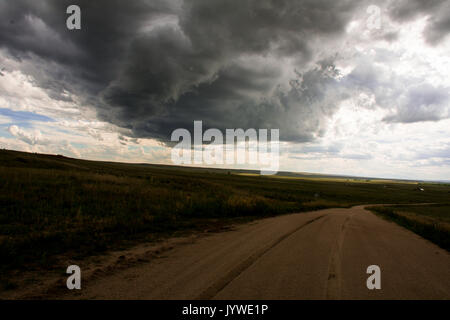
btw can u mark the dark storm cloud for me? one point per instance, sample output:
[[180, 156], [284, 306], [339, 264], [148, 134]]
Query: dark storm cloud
[[86, 59], [207, 67], [438, 12], [299, 112], [153, 66], [439, 27], [407, 9]]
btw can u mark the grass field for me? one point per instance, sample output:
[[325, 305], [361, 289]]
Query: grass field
[[51, 205], [429, 221]]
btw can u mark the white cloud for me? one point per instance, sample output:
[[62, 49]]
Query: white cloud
[[31, 138]]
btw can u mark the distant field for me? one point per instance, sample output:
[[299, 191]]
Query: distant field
[[330, 178], [429, 221], [51, 205]]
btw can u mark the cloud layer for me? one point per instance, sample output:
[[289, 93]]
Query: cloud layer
[[154, 66]]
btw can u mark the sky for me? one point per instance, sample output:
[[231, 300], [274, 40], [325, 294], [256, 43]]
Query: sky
[[354, 87]]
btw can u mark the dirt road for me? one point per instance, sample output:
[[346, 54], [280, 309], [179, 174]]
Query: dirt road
[[317, 255]]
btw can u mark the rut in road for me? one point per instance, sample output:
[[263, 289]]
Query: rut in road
[[334, 269], [223, 282]]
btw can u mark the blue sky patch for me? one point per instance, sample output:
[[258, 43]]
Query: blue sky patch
[[24, 116]]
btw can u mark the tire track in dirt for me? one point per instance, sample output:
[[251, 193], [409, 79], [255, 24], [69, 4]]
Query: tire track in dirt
[[334, 268], [223, 282]]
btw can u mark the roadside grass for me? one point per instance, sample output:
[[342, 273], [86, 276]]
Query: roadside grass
[[53, 205], [429, 221]]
